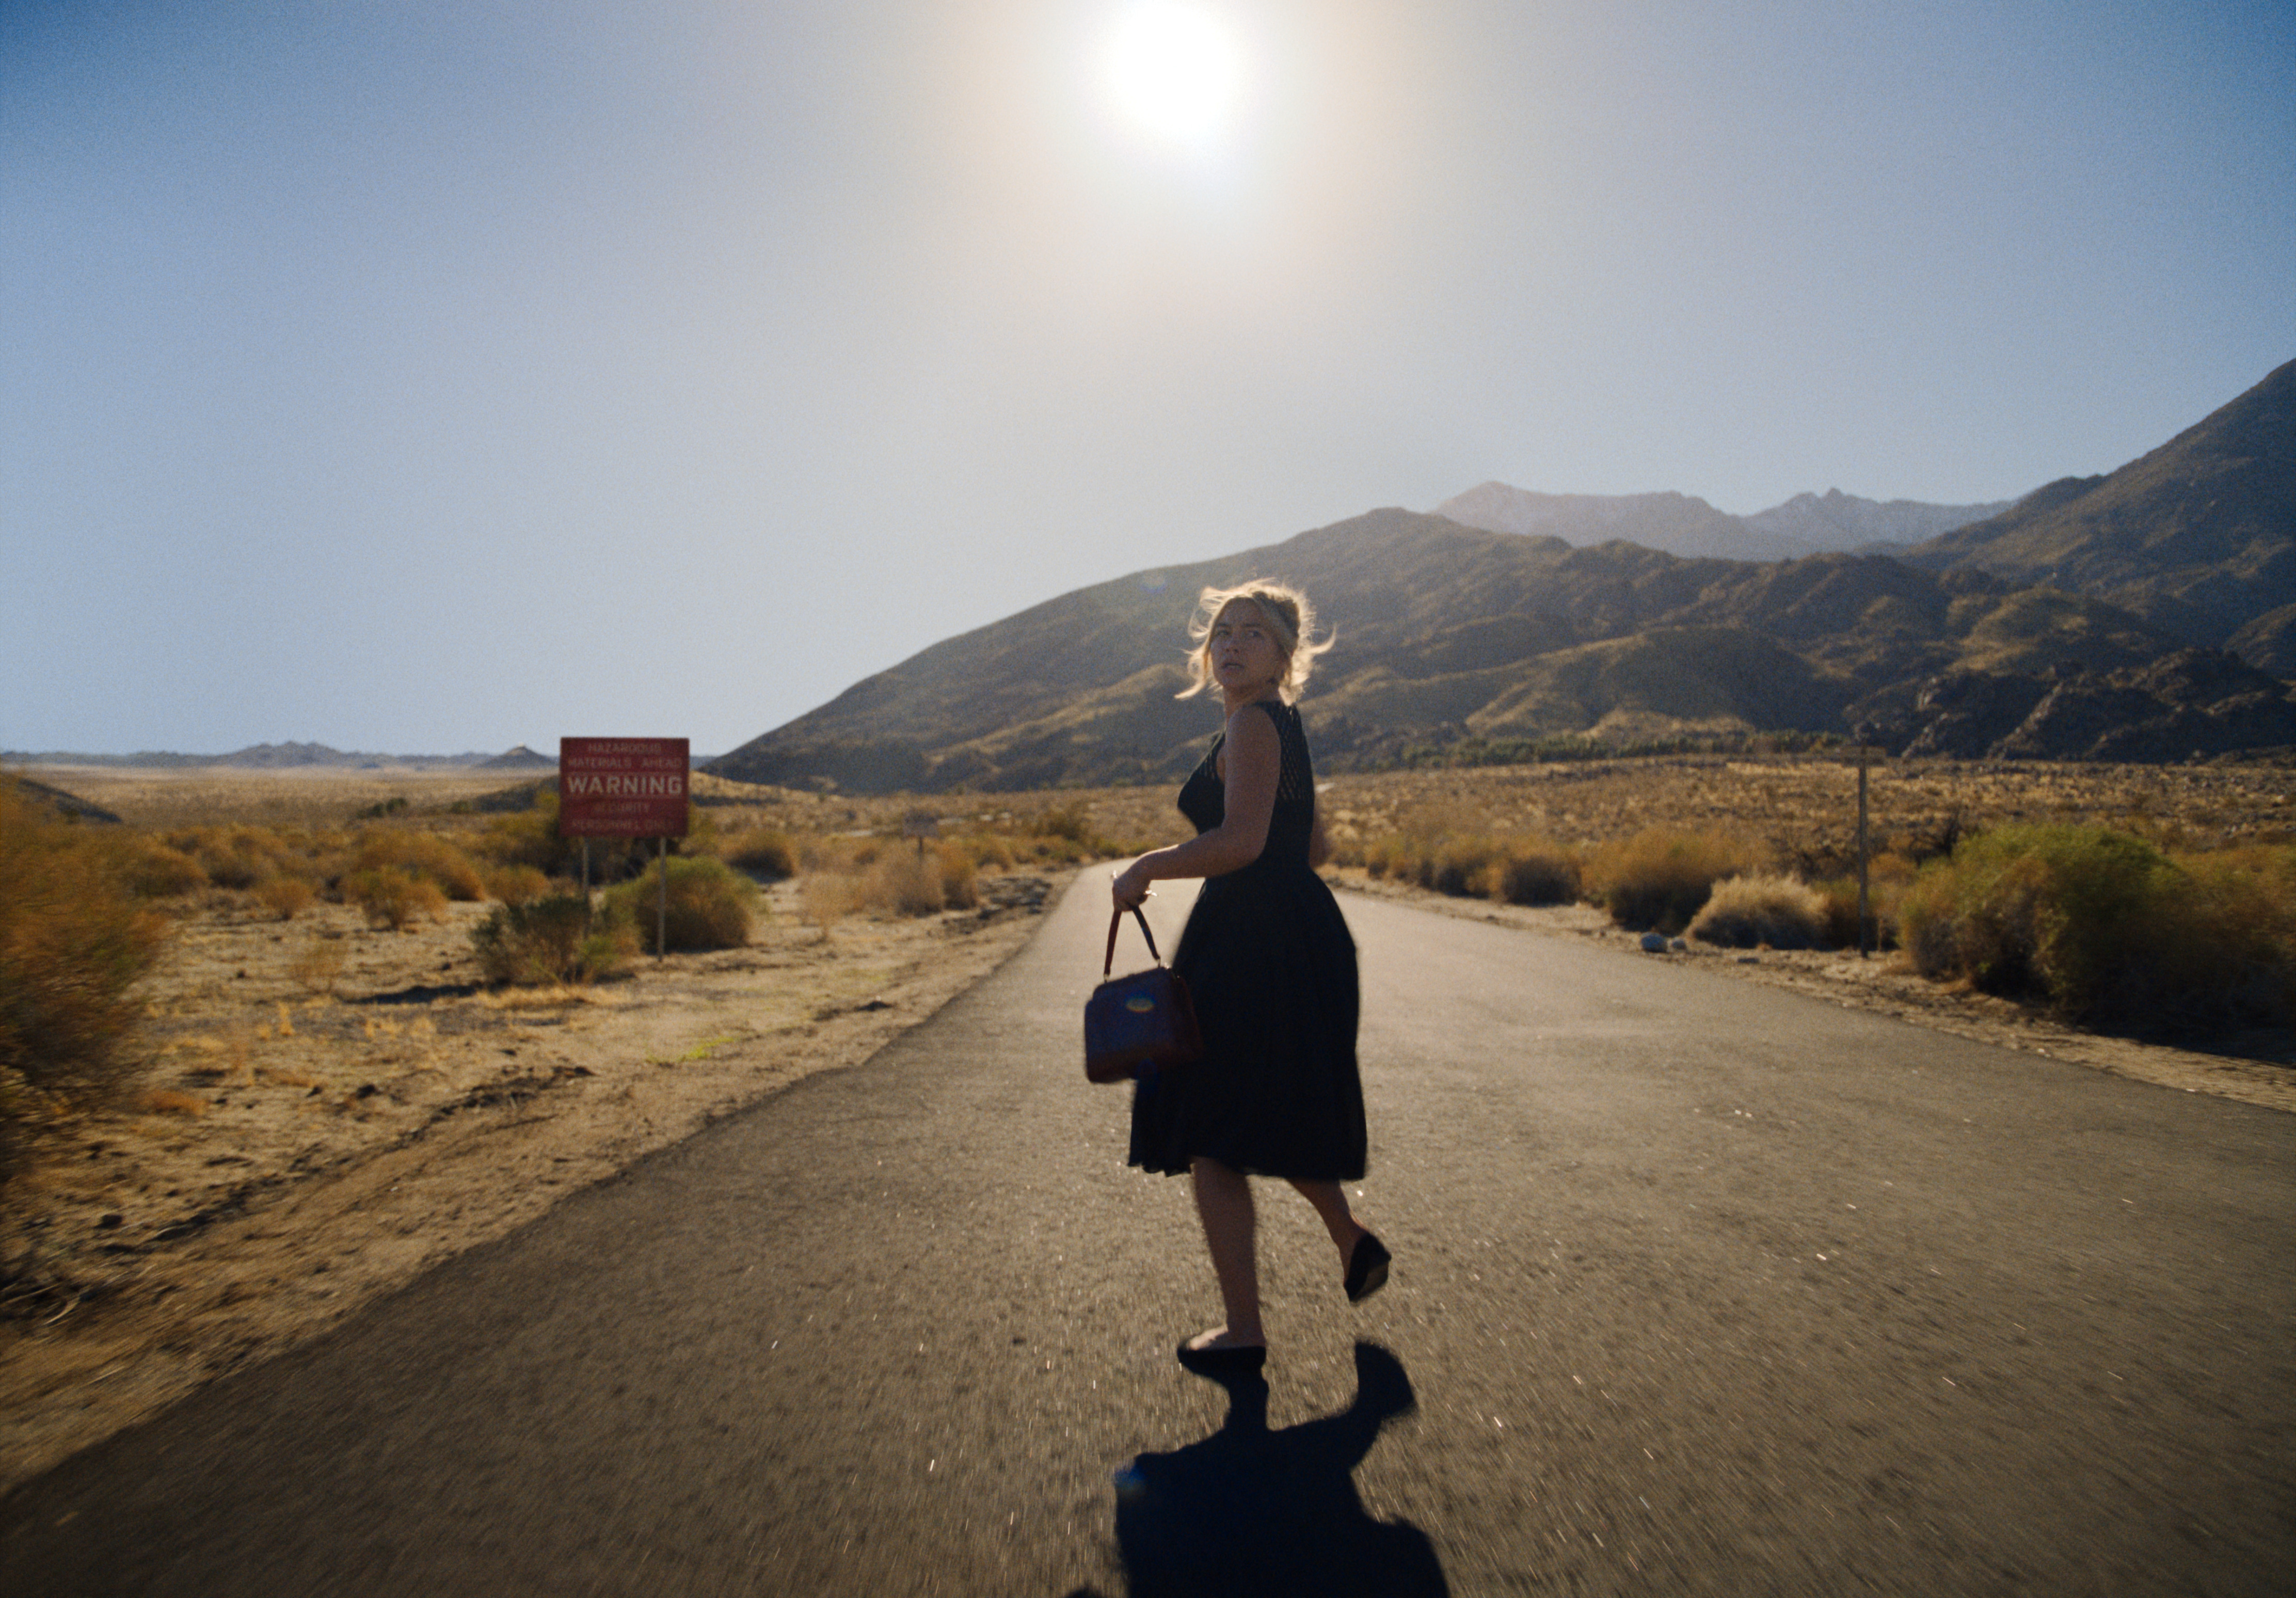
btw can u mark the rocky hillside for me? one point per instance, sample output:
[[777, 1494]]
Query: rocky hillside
[[2065, 626], [2198, 537], [1451, 638]]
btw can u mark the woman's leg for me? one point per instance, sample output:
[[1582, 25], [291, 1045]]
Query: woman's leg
[[1331, 1202], [1224, 1204]]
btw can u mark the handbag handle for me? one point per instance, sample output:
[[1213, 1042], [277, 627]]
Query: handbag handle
[[1108, 961]]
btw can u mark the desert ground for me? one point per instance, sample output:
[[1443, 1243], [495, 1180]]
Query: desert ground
[[326, 1109]]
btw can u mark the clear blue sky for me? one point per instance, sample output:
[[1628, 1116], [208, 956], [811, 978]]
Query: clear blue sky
[[443, 374]]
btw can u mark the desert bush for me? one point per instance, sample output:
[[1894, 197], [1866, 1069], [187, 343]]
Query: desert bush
[[2108, 930], [988, 849], [423, 854], [826, 897], [157, 872], [285, 896], [552, 939], [1753, 912], [709, 907], [1657, 879], [762, 852], [1532, 872], [516, 884], [73, 939], [530, 837], [904, 884], [1071, 821], [1444, 846], [842, 852], [236, 857], [960, 885], [393, 896], [1887, 878]]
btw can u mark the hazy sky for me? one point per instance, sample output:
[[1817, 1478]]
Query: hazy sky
[[422, 375]]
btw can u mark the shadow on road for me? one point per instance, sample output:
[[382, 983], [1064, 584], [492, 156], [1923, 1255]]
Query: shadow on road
[[1274, 1513]]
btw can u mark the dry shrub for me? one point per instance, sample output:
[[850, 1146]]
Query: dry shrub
[[826, 897], [762, 852], [393, 896], [423, 855], [318, 966], [1447, 846], [168, 1101], [960, 886], [2110, 931], [1887, 878], [157, 872], [1656, 880], [710, 905], [1761, 911], [552, 940], [234, 856], [988, 849], [529, 837], [516, 884], [286, 896], [1533, 872], [904, 884], [73, 939]]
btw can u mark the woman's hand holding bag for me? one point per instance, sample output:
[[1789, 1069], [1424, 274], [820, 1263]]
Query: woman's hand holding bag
[[1141, 1022]]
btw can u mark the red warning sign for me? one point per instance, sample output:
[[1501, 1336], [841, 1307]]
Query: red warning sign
[[622, 787]]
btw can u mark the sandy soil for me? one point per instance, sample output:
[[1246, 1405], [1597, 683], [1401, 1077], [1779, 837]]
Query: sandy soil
[[295, 1151]]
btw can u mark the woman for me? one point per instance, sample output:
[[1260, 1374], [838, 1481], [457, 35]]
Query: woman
[[1268, 961]]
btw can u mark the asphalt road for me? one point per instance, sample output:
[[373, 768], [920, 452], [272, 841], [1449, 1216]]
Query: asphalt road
[[1699, 1288]]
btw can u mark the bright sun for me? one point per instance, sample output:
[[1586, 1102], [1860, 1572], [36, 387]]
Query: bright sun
[[1174, 71]]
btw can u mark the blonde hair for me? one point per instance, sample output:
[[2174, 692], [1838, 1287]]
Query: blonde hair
[[1290, 616]]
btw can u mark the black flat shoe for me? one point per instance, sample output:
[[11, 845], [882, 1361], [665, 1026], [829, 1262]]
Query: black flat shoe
[[1367, 1263], [1225, 1364]]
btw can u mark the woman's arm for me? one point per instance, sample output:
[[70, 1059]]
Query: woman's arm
[[1254, 755]]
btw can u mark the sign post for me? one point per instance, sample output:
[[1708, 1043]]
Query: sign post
[[626, 788]]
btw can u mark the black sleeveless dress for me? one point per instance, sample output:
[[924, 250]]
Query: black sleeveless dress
[[1269, 962]]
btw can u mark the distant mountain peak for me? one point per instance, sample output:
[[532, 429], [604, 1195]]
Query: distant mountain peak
[[1682, 524]]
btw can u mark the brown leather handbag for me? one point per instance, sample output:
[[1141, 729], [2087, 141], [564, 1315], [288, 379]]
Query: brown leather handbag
[[1144, 1021]]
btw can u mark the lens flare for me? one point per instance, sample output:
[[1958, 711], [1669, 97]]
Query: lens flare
[[1175, 72]]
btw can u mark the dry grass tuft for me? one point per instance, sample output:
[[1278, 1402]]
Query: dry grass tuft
[[1762, 912]]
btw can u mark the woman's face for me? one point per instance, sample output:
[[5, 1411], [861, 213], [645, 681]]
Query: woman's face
[[1246, 660]]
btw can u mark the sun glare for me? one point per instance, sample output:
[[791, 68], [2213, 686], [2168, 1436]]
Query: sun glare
[[1174, 71]]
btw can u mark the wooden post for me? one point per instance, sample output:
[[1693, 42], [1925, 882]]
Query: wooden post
[[661, 912], [1864, 920]]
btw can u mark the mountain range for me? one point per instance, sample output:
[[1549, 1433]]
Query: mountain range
[[2141, 615], [1679, 524]]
